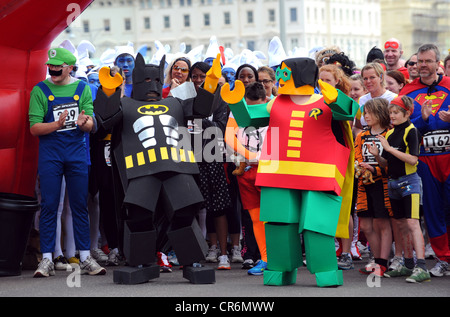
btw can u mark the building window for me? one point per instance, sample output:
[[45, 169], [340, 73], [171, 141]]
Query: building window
[[127, 24], [166, 21], [187, 20], [86, 26], [106, 25], [227, 18], [250, 17], [206, 19], [147, 23], [293, 14], [271, 15]]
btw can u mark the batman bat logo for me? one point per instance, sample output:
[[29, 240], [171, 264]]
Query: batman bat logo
[[152, 110], [315, 113]]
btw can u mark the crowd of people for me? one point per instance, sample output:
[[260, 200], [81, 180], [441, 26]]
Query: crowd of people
[[401, 196]]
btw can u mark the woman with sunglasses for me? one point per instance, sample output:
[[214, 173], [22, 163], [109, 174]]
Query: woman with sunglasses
[[178, 74], [411, 66]]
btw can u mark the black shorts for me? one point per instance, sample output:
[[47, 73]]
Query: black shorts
[[375, 202]]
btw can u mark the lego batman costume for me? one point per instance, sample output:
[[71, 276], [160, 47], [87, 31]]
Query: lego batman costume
[[154, 169]]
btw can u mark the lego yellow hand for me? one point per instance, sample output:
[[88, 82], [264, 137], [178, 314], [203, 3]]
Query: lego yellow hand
[[213, 75], [109, 83], [235, 95], [329, 93]]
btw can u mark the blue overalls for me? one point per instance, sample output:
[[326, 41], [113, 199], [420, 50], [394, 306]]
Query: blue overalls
[[63, 153]]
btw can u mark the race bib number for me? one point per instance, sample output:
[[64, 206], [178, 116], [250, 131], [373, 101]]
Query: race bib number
[[367, 156], [437, 141], [72, 116]]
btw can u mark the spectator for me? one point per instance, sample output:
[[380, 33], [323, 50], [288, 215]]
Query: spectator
[[411, 66], [395, 81]]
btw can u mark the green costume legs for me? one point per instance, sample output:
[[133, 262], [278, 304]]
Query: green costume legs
[[288, 213]]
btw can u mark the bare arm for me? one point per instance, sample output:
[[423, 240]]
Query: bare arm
[[44, 128]]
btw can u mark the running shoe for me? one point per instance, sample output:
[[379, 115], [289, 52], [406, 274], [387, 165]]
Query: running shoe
[[91, 267], [345, 261], [248, 264], [99, 256], [164, 265], [74, 261], [236, 256], [212, 254], [373, 268], [258, 269], [419, 275], [61, 263], [224, 263], [45, 268], [172, 258], [356, 255], [396, 263], [440, 269], [429, 252], [400, 271]]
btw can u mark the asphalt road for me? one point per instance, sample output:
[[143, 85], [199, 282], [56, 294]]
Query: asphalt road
[[232, 284]]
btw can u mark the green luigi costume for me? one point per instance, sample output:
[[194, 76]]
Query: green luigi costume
[[62, 152]]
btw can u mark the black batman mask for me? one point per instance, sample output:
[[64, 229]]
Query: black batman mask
[[148, 79]]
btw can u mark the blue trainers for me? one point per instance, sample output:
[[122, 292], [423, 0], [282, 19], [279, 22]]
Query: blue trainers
[[258, 269]]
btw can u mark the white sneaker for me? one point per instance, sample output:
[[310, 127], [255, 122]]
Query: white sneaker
[[396, 263], [236, 256], [99, 255], [61, 263], [440, 269], [113, 258], [212, 255], [224, 263], [91, 267], [429, 253], [45, 268]]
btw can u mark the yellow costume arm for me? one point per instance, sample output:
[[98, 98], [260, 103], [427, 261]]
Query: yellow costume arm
[[213, 75]]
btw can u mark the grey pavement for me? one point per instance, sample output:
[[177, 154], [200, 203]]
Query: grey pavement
[[234, 283]]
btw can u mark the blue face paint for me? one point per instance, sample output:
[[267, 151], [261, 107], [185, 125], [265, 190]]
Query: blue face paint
[[126, 62], [93, 79], [209, 60], [230, 75]]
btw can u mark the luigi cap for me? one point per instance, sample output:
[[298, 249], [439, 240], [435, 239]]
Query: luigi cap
[[59, 56]]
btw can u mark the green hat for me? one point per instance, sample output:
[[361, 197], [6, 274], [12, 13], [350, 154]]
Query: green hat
[[59, 56]]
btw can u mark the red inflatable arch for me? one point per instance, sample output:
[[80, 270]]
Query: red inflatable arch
[[27, 29]]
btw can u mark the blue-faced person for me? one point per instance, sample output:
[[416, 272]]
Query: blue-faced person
[[229, 73], [93, 78], [125, 61]]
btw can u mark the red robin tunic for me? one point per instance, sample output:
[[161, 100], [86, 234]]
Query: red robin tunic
[[300, 150]]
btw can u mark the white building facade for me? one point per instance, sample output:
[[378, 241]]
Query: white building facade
[[353, 25]]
